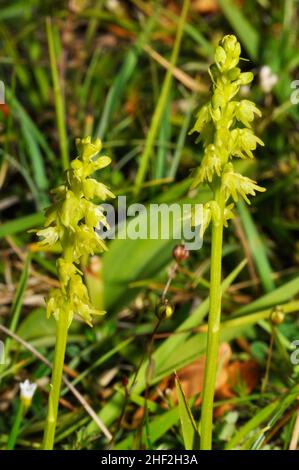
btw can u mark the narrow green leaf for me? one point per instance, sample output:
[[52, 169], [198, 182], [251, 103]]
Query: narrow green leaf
[[21, 224], [17, 302], [247, 34], [279, 296], [284, 404], [252, 424], [121, 79], [274, 409], [164, 137], [24, 117], [181, 141], [58, 97], [189, 430], [18, 299], [156, 119], [257, 248]]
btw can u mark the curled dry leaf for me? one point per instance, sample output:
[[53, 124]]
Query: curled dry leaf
[[246, 373]]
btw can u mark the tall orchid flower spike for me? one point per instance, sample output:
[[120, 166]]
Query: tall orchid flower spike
[[71, 222], [224, 125]]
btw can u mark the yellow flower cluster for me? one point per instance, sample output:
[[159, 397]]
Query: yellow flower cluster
[[72, 221], [224, 125]]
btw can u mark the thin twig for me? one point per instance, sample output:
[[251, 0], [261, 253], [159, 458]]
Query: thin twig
[[179, 74], [171, 276], [269, 358]]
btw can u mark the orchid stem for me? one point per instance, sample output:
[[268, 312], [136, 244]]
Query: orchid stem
[[55, 386], [213, 327]]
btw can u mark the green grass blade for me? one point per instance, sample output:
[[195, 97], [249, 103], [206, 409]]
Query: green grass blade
[[26, 175], [158, 113], [24, 118], [252, 424], [58, 96], [279, 296], [274, 409], [21, 224], [189, 430], [17, 9], [122, 78], [116, 91], [37, 162], [18, 302], [181, 141], [257, 248], [164, 137], [247, 34], [281, 408], [18, 299]]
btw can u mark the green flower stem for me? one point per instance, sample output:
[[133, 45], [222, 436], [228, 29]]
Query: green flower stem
[[213, 327], [16, 427], [61, 338]]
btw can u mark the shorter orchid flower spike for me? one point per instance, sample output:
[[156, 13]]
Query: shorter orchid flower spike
[[27, 391], [71, 224]]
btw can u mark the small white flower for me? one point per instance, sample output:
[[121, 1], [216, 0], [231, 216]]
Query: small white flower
[[27, 391], [267, 78], [245, 90]]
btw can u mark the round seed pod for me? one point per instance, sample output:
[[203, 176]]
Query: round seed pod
[[180, 253], [277, 316], [164, 310]]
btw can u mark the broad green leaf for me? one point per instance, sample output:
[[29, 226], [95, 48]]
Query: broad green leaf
[[129, 260], [36, 325]]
